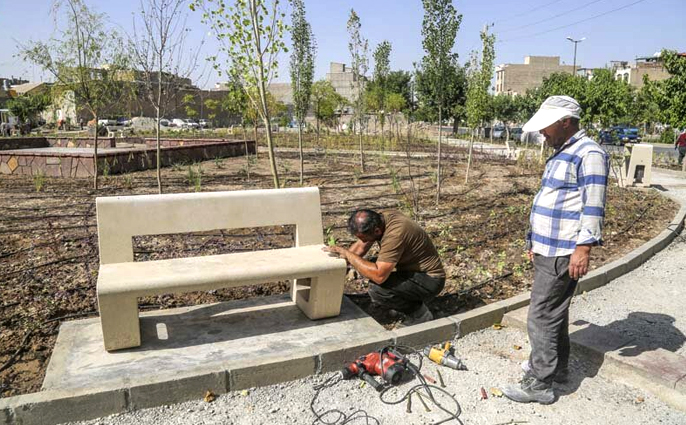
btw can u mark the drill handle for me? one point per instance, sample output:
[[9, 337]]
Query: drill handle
[[365, 376]]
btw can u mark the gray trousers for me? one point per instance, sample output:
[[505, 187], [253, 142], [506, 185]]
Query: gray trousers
[[548, 321]]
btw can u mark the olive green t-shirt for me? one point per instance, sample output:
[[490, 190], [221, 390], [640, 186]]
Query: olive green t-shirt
[[406, 244]]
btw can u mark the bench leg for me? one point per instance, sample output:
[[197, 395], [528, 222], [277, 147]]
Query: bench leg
[[320, 296], [119, 320]]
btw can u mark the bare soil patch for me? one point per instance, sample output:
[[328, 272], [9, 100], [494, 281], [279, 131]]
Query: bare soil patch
[[49, 256]]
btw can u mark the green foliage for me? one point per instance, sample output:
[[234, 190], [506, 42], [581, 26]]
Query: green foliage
[[670, 94], [194, 176], [479, 80], [359, 50], [189, 105], [325, 102], [504, 107], [302, 61], [39, 180], [212, 106], [27, 108], [400, 82], [330, 238], [377, 90], [439, 74]]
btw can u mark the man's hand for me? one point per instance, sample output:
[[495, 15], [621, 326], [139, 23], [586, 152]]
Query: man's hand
[[578, 262], [337, 251], [530, 255]]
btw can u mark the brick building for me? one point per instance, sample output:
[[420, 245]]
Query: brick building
[[518, 78]]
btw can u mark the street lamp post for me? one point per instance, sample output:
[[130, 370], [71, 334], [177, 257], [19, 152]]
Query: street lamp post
[[575, 43]]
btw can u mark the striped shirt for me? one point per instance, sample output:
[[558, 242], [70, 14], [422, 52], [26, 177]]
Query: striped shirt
[[570, 207]]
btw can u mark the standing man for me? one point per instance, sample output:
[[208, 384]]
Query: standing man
[[403, 246], [680, 144], [566, 222]]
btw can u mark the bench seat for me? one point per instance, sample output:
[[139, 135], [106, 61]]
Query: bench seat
[[215, 271]]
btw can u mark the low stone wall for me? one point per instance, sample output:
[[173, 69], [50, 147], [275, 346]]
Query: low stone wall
[[65, 164], [23, 143], [167, 142], [82, 142]]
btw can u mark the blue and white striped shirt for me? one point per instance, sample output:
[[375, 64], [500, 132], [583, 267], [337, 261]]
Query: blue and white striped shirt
[[570, 207]]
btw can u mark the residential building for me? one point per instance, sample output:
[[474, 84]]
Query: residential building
[[518, 78], [652, 66]]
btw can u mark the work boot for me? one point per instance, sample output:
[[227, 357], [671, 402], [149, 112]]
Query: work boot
[[421, 315], [530, 389], [561, 375]]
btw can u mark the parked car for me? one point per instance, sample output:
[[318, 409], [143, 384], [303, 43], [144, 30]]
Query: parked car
[[178, 122], [619, 135], [205, 123], [123, 121], [498, 132], [165, 122], [107, 122], [190, 123], [515, 133]]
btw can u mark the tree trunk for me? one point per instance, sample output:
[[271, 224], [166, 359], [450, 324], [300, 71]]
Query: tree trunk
[[300, 147], [469, 157], [317, 130], [492, 128], [247, 156], [438, 162], [95, 154], [361, 150], [382, 137], [158, 153]]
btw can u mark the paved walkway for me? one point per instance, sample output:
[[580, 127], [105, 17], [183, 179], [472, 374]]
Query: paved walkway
[[643, 310]]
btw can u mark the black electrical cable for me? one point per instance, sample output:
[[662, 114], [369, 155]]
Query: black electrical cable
[[403, 352]]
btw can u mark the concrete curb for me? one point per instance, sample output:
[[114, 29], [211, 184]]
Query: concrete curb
[[57, 406]]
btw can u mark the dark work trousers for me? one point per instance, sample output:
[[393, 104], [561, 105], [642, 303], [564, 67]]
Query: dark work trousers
[[406, 291], [548, 321], [682, 153]]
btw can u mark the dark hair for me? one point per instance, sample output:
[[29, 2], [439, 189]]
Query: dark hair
[[364, 221]]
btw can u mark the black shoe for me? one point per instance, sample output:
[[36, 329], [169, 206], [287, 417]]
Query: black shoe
[[530, 389], [421, 315]]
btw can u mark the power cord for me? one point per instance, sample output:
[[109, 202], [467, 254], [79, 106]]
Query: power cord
[[404, 352]]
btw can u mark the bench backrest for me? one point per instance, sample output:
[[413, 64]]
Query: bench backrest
[[122, 217]]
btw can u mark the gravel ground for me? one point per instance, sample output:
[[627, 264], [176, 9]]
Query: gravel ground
[[492, 359], [647, 303]]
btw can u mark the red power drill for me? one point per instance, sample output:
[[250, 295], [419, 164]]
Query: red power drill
[[391, 366]]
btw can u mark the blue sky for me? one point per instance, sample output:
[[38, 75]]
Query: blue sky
[[638, 30]]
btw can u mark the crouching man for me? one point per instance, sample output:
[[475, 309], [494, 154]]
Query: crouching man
[[403, 246]]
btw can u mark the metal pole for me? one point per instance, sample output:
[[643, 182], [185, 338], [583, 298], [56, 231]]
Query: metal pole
[[574, 66]]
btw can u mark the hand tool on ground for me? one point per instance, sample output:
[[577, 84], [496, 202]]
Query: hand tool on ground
[[444, 356], [389, 365]]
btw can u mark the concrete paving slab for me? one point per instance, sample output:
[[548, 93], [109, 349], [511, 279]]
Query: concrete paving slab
[[205, 339]]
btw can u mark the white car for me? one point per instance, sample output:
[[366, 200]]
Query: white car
[[107, 122], [205, 123], [178, 122], [190, 123]]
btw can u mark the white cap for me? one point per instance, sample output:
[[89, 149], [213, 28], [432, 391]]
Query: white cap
[[553, 109]]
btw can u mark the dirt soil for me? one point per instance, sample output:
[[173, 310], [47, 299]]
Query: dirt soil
[[49, 254]]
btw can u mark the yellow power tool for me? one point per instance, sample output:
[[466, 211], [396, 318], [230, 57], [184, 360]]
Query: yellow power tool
[[444, 356]]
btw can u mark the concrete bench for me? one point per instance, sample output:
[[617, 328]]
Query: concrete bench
[[318, 278]]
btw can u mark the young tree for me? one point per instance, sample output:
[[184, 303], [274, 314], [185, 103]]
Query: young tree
[[439, 30], [157, 46], [479, 81], [189, 105], [395, 103], [505, 110], [302, 70], [325, 102], [86, 60], [212, 106], [236, 103], [250, 36], [382, 67], [359, 65]]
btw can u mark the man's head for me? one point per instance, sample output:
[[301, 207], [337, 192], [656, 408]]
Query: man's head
[[366, 225], [557, 120]]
